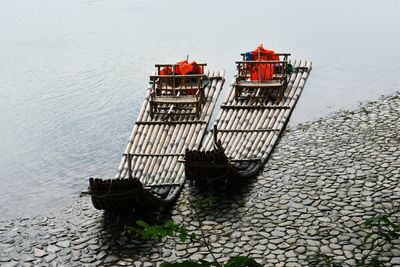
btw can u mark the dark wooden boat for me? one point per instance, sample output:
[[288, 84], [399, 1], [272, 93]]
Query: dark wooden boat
[[174, 117], [250, 121]]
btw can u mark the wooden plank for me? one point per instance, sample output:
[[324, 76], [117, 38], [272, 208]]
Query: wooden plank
[[253, 107], [177, 76], [244, 130], [174, 100], [261, 61], [157, 155], [278, 54], [260, 84], [171, 122]]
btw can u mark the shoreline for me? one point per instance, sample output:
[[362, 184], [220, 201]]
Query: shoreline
[[324, 178]]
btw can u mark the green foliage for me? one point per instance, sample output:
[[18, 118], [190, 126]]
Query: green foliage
[[155, 231], [170, 229], [384, 228], [322, 260], [242, 262], [384, 231], [232, 262], [200, 263]]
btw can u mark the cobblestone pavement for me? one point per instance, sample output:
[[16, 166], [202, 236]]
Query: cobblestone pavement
[[322, 182]]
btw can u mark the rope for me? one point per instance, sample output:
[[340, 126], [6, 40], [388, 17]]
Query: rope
[[108, 192], [218, 177]]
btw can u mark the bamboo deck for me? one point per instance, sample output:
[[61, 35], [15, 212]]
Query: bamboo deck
[[246, 132], [156, 148]]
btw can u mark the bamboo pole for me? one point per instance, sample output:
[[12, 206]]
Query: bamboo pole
[[272, 138], [175, 173], [171, 172], [272, 124], [156, 148], [133, 133], [255, 119], [139, 133], [220, 121], [166, 161], [215, 93], [189, 131], [156, 175], [208, 111], [299, 88], [262, 117], [248, 145], [243, 118]]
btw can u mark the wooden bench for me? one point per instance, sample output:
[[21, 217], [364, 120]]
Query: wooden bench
[[173, 95], [255, 77]]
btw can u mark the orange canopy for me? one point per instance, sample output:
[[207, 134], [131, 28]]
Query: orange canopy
[[262, 71], [182, 68], [260, 53]]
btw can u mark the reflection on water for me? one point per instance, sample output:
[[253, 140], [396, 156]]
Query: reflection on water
[[73, 74]]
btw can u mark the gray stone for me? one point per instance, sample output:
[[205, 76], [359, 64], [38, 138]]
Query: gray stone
[[63, 244], [76, 253], [39, 253], [349, 247], [395, 260], [80, 241], [101, 255], [87, 260], [278, 233], [50, 258], [300, 250], [326, 250], [53, 249], [111, 259], [10, 264], [290, 253], [166, 253]]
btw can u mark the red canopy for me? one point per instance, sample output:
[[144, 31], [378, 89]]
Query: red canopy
[[263, 71], [182, 68], [260, 53]]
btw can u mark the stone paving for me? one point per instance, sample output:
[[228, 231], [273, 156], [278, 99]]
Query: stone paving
[[323, 181]]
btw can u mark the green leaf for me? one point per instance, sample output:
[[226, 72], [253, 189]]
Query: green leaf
[[169, 224], [163, 232], [186, 264], [208, 202], [182, 237], [242, 262], [193, 236], [170, 233], [142, 223], [368, 236]]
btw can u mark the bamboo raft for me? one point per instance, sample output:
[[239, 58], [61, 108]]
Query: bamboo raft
[[246, 130], [151, 173]]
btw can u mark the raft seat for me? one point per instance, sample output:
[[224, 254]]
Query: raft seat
[[256, 77], [173, 95]]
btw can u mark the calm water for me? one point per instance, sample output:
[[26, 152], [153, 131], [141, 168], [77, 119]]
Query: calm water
[[73, 74]]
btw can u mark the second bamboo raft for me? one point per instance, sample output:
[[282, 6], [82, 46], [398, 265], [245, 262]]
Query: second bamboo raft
[[245, 132]]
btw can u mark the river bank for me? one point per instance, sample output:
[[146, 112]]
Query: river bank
[[323, 180]]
